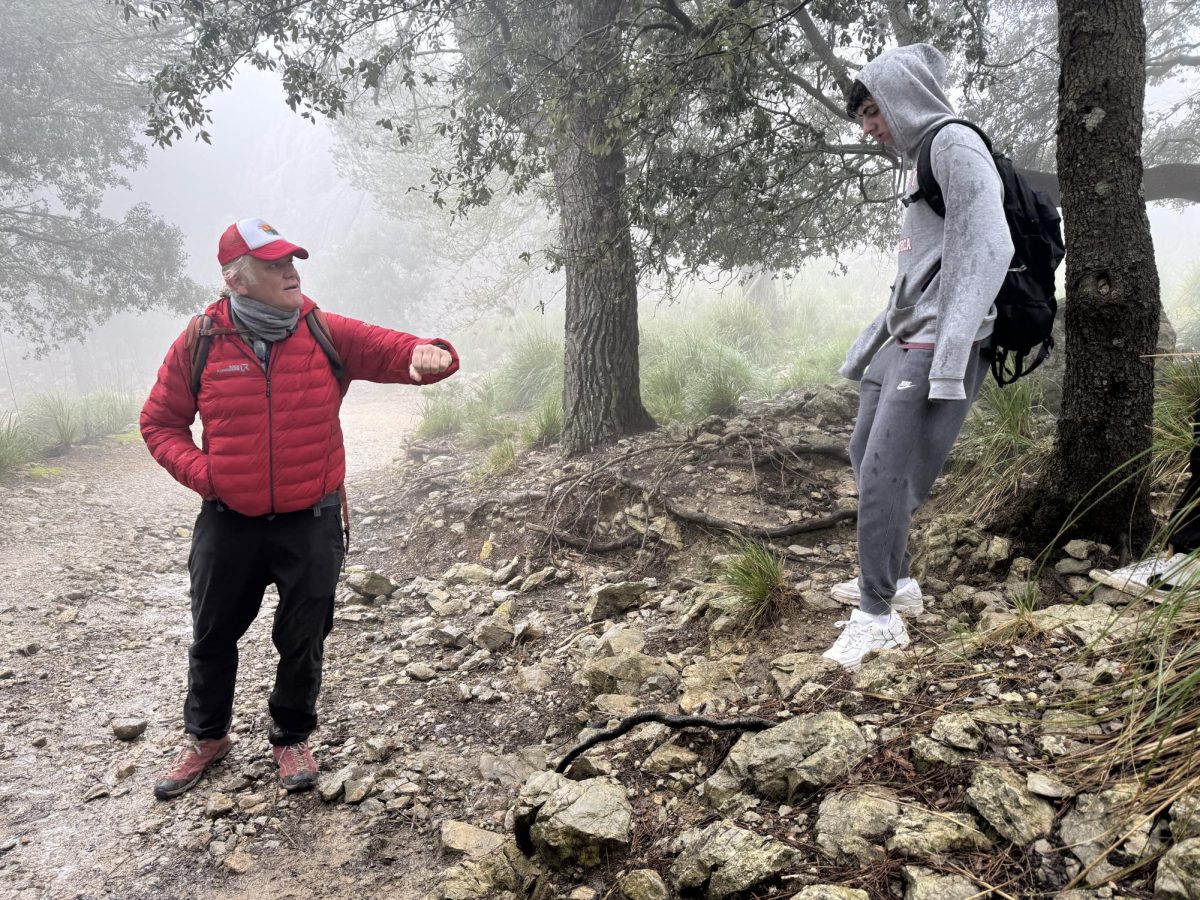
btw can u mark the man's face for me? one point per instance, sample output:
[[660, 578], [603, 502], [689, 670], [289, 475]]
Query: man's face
[[274, 282], [870, 116]]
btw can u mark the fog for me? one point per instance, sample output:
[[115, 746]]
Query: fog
[[264, 160]]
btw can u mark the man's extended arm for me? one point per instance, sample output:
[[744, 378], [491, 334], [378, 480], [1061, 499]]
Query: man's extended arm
[[372, 353]]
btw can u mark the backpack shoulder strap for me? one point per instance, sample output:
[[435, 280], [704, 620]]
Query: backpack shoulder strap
[[319, 326], [197, 340], [927, 187]]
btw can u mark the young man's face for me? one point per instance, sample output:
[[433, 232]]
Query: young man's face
[[274, 282], [870, 116]]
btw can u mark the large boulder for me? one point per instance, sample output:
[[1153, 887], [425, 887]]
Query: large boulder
[[370, 584], [922, 830], [831, 892], [723, 860], [572, 822]]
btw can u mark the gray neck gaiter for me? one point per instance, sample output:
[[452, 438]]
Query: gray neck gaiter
[[264, 321]]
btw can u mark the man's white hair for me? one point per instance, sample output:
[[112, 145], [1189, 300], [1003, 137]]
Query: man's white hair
[[239, 267]]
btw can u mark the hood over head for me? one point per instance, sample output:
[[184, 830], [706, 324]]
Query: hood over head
[[906, 82]]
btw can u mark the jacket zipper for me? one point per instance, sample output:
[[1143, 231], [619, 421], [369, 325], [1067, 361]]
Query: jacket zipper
[[270, 433], [270, 423]]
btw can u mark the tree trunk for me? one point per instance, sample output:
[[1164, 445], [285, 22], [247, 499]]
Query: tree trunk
[[601, 388], [1113, 306]]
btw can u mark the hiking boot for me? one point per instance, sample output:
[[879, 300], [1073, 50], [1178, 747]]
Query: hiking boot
[[190, 762], [862, 635], [297, 768], [907, 599]]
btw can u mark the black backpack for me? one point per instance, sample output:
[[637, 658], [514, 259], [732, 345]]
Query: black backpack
[[1025, 305]]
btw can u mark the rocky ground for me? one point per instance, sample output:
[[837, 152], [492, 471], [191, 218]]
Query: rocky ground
[[486, 628]]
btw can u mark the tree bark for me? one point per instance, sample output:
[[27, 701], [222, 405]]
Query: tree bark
[[601, 385], [1112, 313]]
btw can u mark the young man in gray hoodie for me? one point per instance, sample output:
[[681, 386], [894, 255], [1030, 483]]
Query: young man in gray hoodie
[[922, 361]]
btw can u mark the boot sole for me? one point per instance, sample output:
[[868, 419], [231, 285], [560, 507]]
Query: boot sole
[[161, 793]]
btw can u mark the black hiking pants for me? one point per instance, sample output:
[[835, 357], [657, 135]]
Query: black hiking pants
[[233, 559]]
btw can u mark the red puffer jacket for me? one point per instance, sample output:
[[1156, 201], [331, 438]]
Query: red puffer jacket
[[272, 441]]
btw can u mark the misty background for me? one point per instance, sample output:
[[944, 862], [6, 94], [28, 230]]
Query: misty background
[[382, 251]]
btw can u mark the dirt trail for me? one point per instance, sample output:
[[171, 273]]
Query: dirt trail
[[94, 626]]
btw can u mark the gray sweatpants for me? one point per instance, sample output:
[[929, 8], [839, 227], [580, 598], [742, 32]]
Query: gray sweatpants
[[901, 441]]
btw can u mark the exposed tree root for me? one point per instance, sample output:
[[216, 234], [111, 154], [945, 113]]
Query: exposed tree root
[[701, 518], [589, 545], [651, 715]]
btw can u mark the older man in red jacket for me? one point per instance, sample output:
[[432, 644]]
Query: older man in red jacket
[[268, 383]]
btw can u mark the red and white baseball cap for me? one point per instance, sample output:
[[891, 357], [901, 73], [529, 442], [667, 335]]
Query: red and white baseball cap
[[256, 237]]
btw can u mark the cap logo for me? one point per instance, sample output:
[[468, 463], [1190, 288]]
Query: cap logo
[[268, 229]]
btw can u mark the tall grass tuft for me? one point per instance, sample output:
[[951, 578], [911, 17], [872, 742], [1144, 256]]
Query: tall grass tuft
[[1176, 401], [1007, 439], [483, 423], [742, 325], [545, 426], [757, 575], [107, 412], [17, 446], [689, 374], [441, 413], [56, 422], [532, 367], [501, 459], [1151, 711]]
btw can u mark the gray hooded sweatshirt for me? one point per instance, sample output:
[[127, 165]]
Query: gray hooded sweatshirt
[[953, 309]]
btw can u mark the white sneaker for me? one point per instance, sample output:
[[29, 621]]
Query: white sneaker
[[862, 635], [907, 600]]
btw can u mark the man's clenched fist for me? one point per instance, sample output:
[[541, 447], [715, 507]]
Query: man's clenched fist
[[428, 359]]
